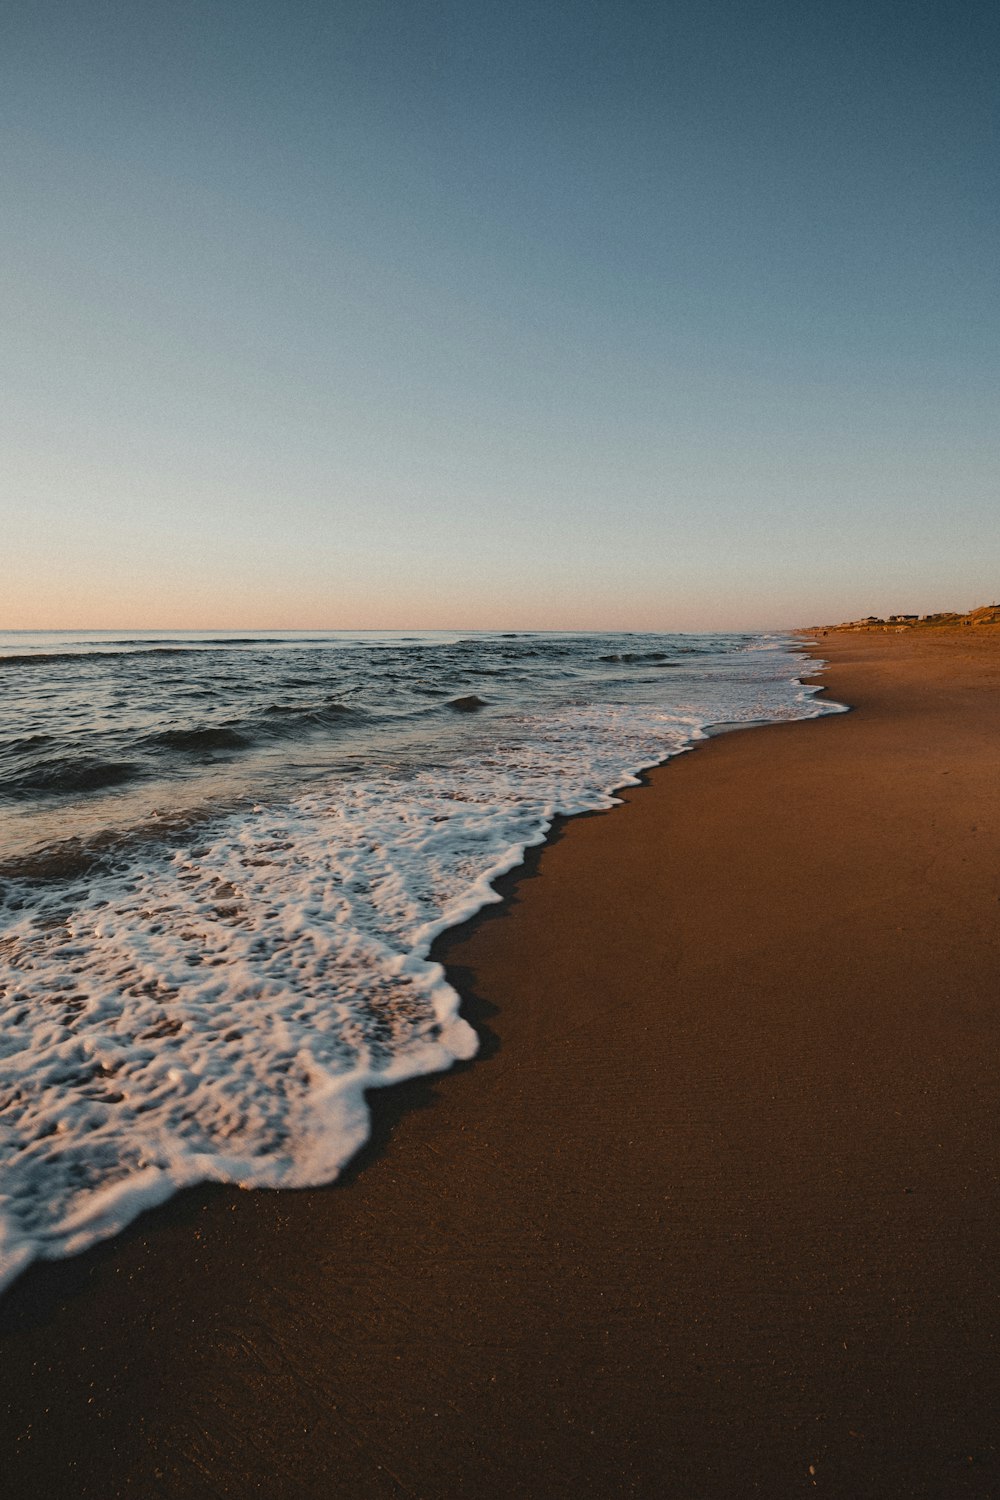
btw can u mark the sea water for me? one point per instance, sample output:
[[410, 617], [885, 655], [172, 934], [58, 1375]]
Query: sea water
[[224, 859]]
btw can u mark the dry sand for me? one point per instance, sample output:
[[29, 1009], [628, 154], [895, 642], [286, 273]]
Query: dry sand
[[716, 1213]]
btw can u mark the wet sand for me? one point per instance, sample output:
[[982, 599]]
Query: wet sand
[[716, 1213]]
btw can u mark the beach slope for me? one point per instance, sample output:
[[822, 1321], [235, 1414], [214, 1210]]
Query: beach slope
[[716, 1213]]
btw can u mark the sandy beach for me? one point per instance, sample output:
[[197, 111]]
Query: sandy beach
[[716, 1212]]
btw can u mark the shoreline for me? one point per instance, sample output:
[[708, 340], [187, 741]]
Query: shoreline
[[621, 1253], [133, 1197]]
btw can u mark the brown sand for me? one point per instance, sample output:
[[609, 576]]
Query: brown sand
[[716, 1214]]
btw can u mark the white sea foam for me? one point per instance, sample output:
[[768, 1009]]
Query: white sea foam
[[216, 1012]]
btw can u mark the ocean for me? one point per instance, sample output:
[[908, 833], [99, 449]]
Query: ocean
[[224, 859]]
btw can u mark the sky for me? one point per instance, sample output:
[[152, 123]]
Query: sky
[[559, 314]]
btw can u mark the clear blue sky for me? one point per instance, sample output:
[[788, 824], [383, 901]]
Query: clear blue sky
[[466, 313]]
